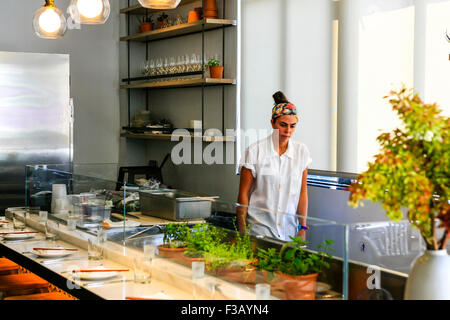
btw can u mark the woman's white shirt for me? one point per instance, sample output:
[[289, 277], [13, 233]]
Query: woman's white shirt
[[277, 186]]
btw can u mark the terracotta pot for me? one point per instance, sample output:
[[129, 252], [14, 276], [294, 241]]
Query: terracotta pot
[[193, 16], [199, 10], [161, 23], [274, 279], [145, 27], [186, 260], [299, 287], [212, 14], [239, 275], [216, 72], [171, 253], [210, 5]]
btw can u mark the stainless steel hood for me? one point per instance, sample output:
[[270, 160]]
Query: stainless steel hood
[[35, 117]]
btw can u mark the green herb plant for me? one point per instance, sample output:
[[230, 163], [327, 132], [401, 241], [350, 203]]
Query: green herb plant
[[293, 259], [412, 169], [175, 235], [202, 238], [213, 63], [235, 254], [162, 16], [146, 19]]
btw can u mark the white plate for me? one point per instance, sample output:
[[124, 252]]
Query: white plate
[[95, 275], [51, 253], [18, 236], [119, 224]]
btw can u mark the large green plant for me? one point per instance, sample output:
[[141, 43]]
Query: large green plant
[[412, 169]]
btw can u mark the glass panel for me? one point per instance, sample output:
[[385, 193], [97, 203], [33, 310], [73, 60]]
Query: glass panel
[[199, 250], [381, 256]]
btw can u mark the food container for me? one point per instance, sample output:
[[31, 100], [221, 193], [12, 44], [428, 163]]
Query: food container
[[174, 204]]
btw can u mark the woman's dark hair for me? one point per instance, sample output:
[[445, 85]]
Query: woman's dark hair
[[279, 97]]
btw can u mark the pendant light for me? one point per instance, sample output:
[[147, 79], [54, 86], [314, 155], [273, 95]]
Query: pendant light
[[159, 4], [89, 11], [49, 22]]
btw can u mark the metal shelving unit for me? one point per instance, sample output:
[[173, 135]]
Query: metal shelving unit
[[198, 27]]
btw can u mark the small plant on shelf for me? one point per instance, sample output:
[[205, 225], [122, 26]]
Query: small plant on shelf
[[213, 63], [215, 69], [161, 19], [145, 24]]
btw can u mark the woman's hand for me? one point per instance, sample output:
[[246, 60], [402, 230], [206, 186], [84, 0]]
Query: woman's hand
[[244, 197], [302, 234]]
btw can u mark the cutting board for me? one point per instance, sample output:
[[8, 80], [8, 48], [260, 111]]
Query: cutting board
[[146, 220]]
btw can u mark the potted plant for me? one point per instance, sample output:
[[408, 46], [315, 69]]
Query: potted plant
[[161, 20], [201, 238], [412, 172], [215, 69], [293, 268], [232, 260], [174, 241], [146, 24]]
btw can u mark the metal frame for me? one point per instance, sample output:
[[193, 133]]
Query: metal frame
[[129, 79]]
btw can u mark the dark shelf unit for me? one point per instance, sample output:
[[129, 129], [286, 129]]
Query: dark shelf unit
[[198, 27]]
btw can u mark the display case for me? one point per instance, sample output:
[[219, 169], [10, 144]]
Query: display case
[[348, 261]]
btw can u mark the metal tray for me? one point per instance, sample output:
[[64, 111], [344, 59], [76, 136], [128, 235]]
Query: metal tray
[[174, 204]]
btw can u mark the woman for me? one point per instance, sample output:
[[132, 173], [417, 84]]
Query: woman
[[273, 176]]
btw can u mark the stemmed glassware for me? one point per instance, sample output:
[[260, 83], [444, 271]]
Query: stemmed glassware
[[170, 65]]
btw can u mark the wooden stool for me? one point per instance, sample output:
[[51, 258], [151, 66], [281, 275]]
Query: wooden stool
[[8, 267], [41, 296], [20, 284]]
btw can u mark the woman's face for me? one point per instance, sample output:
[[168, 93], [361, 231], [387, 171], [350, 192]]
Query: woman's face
[[286, 125]]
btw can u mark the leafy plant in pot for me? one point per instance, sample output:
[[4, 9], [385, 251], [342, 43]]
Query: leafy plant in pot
[[146, 24], [174, 241], [232, 260], [161, 19], [201, 238], [294, 269], [215, 69], [412, 172]]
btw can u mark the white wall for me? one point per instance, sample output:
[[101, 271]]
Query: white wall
[[286, 45], [94, 69]]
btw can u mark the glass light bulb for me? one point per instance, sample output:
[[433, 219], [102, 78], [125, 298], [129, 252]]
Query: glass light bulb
[[90, 8], [49, 21]]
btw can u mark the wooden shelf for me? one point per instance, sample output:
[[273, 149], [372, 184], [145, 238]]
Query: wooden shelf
[[179, 83], [149, 136], [182, 29], [139, 10]]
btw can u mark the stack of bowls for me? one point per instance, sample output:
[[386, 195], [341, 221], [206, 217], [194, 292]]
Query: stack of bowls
[[59, 192], [210, 9]]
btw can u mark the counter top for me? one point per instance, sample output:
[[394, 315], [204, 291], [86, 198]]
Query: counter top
[[169, 280]]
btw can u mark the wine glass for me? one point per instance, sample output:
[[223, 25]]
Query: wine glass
[[146, 68], [166, 66], [187, 63], [180, 64], [152, 67], [172, 65], [193, 62]]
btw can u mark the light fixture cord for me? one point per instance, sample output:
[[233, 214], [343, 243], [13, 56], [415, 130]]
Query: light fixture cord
[[49, 3]]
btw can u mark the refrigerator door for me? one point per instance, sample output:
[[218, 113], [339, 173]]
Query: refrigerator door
[[35, 118]]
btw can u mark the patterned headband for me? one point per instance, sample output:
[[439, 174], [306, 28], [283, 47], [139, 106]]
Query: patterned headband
[[283, 109]]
